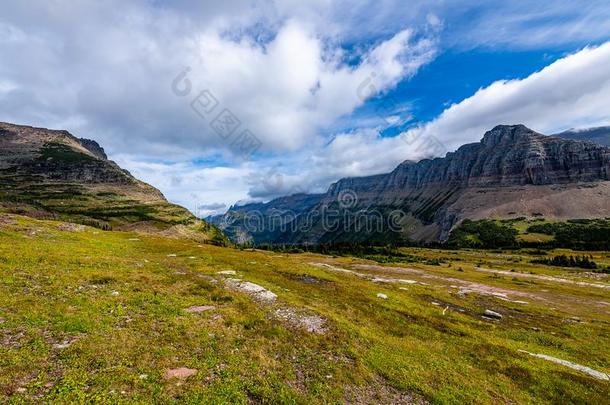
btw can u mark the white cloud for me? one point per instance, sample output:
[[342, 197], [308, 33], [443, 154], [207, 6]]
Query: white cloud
[[523, 24], [357, 153], [571, 92], [208, 190]]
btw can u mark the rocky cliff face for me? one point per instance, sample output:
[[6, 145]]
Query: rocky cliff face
[[52, 174], [93, 147], [506, 156], [493, 175]]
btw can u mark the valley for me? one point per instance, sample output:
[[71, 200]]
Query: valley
[[304, 202]]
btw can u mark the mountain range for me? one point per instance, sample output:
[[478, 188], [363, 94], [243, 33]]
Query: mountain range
[[512, 172]]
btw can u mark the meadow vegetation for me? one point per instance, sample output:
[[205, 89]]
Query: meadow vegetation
[[108, 316]]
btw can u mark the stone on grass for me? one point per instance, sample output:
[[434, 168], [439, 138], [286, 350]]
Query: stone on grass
[[593, 373], [181, 373], [200, 308], [255, 290], [492, 314], [382, 296]]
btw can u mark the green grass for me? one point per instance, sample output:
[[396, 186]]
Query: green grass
[[120, 299], [62, 153]]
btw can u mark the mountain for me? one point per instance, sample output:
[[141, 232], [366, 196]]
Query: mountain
[[53, 174], [512, 172], [599, 135], [246, 223]]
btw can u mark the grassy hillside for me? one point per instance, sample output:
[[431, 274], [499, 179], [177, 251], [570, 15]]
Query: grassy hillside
[[88, 315], [50, 174]]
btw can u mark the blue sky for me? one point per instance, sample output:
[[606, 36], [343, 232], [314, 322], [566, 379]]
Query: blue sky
[[328, 89], [455, 75]]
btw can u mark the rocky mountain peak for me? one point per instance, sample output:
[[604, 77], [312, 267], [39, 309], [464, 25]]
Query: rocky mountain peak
[[93, 147], [507, 134]]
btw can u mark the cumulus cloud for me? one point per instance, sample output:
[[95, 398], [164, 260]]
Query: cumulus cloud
[[109, 76], [290, 88]]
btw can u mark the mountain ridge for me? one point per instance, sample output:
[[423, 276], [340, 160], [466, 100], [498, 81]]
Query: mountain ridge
[[52, 174], [599, 135], [493, 176]]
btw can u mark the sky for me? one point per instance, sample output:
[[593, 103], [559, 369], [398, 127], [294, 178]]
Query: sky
[[218, 103]]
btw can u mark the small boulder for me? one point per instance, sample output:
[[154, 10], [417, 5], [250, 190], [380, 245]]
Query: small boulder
[[492, 314], [382, 296]]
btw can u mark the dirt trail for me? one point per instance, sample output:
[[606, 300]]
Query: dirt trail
[[467, 286], [542, 277]]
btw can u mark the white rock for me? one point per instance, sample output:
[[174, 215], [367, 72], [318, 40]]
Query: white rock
[[254, 289], [200, 308], [63, 345], [382, 296], [492, 314], [228, 272], [593, 373]]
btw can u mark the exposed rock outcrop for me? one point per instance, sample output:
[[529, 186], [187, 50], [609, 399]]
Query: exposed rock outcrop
[[93, 147]]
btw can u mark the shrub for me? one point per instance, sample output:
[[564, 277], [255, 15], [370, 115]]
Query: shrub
[[485, 234], [582, 262]]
